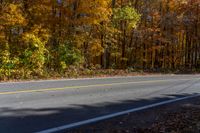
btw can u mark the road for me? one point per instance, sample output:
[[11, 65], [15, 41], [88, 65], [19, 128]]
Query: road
[[39, 105]]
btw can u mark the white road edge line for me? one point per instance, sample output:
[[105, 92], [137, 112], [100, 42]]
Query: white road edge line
[[93, 120]]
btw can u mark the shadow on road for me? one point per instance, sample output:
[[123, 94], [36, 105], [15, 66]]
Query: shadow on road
[[30, 120]]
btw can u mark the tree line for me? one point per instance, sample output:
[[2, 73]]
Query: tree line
[[42, 36]]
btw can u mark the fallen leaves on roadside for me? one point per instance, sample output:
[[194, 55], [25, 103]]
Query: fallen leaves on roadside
[[185, 119]]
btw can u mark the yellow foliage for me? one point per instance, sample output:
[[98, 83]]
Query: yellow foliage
[[94, 12], [96, 48], [12, 16], [42, 33]]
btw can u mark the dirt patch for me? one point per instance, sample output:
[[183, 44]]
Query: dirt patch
[[180, 117]]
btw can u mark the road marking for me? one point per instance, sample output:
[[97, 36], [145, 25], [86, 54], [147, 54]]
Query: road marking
[[105, 117], [86, 86]]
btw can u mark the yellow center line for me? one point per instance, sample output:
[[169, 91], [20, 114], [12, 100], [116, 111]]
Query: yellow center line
[[86, 86]]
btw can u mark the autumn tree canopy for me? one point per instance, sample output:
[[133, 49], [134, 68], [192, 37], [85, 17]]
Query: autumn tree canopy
[[41, 36]]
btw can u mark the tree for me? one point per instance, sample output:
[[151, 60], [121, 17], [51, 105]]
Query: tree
[[43, 36]]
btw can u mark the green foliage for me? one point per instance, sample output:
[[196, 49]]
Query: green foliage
[[33, 57], [68, 55], [127, 13], [40, 37], [8, 64]]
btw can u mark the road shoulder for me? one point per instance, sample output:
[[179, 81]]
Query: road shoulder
[[179, 117]]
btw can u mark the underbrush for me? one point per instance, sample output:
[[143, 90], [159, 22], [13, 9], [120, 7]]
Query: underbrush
[[79, 72]]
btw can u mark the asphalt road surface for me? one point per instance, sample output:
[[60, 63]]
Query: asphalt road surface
[[39, 105]]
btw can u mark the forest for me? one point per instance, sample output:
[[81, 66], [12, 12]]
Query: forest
[[39, 38]]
